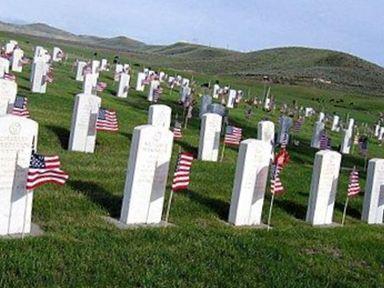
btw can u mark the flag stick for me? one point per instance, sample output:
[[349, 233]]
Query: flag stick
[[25, 214], [170, 196], [186, 121], [169, 206], [365, 163], [345, 211], [270, 212], [222, 153]]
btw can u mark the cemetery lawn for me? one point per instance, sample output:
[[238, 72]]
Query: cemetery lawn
[[80, 249]]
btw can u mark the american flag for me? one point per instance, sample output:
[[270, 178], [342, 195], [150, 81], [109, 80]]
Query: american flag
[[45, 169], [183, 170], [48, 78], [100, 86], [9, 76], [177, 133], [147, 80], [325, 143], [363, 145], [157, 93], [298, 124], [233, 135], [356, 139], [87, 69], [107, 121], [353, 185], [282, 158], [276, 185], [284, 140], [20, 107]]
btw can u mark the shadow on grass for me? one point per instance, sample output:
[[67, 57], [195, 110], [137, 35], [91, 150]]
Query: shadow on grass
[[220, 207], [99, 196], [128, 135], [62, 134], [352, 212], [292, 208], [187, 147]]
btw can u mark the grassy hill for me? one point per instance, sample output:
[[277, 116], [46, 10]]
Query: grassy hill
[[290, 65], [80, 249]]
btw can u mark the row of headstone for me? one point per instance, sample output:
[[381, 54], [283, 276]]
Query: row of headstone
[[251, 178]]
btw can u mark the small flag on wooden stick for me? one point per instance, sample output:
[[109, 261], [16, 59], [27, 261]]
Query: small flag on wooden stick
[[181, 177], [353, 190]]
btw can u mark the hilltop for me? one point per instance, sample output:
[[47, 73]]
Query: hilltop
[[287, 65]]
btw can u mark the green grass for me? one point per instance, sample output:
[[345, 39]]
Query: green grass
[[80, 249]]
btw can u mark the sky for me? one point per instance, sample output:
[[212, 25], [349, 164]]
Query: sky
[[352, 26]]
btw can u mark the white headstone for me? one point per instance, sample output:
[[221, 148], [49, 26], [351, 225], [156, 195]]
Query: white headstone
[[231, 98], [185, 82], [155, 84], [161, 76], [18, 136], [266, 131], [39, 52], [57, 54], [89, 83], [10, 46], [139, 84], [209, 142], [347, 138], [122, 90], [185, 91], [308, 111], [267, 103], [335, 123], [18, 54], [39, 72], [322, 196], [103, 64], [160, 116], [83, 127], [147, 174], [8, 91], [250, 183], [321, 116], [4, 66], [80, 70], [373, 208], [381, 133], [316, 136], [216, 89]]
